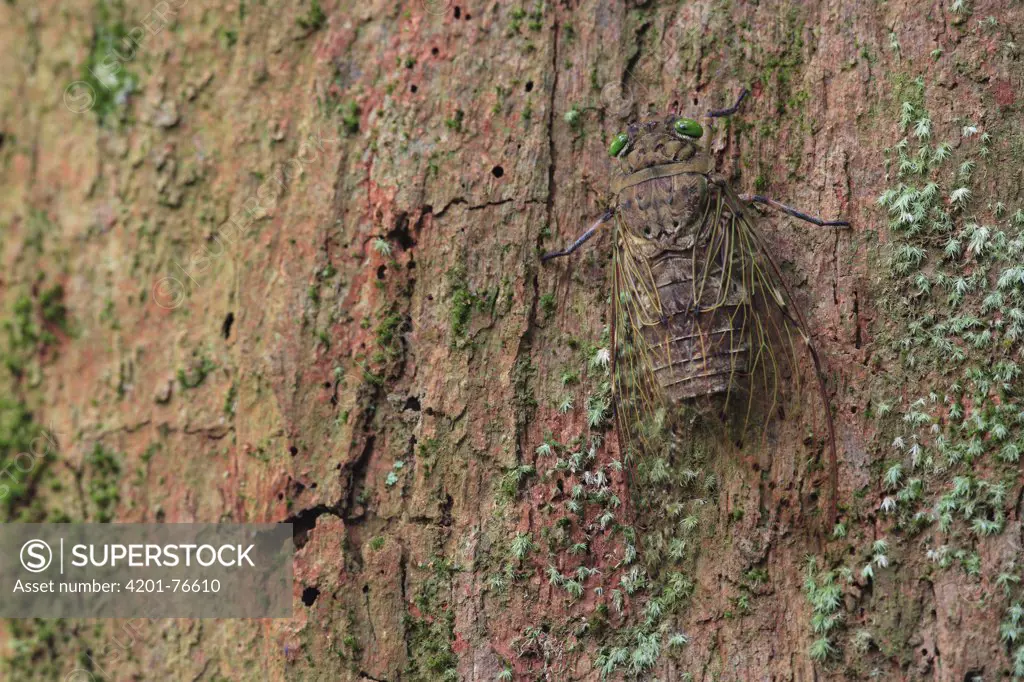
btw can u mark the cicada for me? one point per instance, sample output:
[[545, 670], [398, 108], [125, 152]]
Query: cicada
[[701, 309]]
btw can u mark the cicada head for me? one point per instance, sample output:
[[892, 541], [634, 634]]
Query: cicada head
[[657, 142]]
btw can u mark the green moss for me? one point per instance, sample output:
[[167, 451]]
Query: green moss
[[230, 400], [547, 304], [427, 454], [52, 308], [574, 119], [228, 37], [372, 379], [25, 452], [522, 380], [387, 329], [103, 469], [431, 633], [105, 70], [314, 19], [36, 650], [462, 301], [782, 68], [515, 23], [455, 122], [151, 450], [196, 373], [29, 324], [25, 447], [349, 117]]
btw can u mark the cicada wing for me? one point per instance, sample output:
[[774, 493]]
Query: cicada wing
[[640, 403], [775, 328]]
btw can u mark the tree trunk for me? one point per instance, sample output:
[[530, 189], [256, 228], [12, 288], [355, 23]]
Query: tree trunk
[[279, 261]]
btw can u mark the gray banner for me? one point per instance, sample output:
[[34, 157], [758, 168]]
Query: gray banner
[[172, 570]]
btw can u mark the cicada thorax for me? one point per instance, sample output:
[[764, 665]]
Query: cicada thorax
[[691, 303]]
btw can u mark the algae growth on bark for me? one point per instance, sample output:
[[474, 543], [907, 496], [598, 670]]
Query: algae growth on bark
[[271, 261]]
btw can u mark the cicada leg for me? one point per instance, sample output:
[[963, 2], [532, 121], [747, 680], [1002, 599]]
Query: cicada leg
[[582, 238], [789, 210]]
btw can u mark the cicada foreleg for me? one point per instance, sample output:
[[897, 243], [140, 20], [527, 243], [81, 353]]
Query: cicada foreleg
[[581, 240]]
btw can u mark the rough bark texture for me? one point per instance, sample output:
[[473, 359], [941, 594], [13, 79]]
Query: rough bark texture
[[367, 345]]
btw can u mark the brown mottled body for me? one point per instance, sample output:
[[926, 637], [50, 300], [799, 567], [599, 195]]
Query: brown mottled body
[[697, 343]]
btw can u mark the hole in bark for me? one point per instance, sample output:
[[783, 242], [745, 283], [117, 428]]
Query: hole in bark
[[381, 271], [226, 327], [303, 523], [412, 403], [458, 12], [366, 589], [413, 88], [400, 233], [497, 171], [468, 17], [160, 516], [434, 51], [294, 450], [327, 384], [430, 297], [446, 511], [529, 86], [309, 596]]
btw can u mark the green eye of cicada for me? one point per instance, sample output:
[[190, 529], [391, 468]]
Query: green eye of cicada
[[619, 143], [688, 127]]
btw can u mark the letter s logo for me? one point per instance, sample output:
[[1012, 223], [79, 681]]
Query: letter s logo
[[36, 556]]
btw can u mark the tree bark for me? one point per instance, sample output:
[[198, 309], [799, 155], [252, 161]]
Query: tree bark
[[298, 247]]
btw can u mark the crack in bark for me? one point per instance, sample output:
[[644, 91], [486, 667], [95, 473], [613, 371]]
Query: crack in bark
[[462, 201]]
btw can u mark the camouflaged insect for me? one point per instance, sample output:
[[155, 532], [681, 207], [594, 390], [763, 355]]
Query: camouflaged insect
[[701, 308]]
